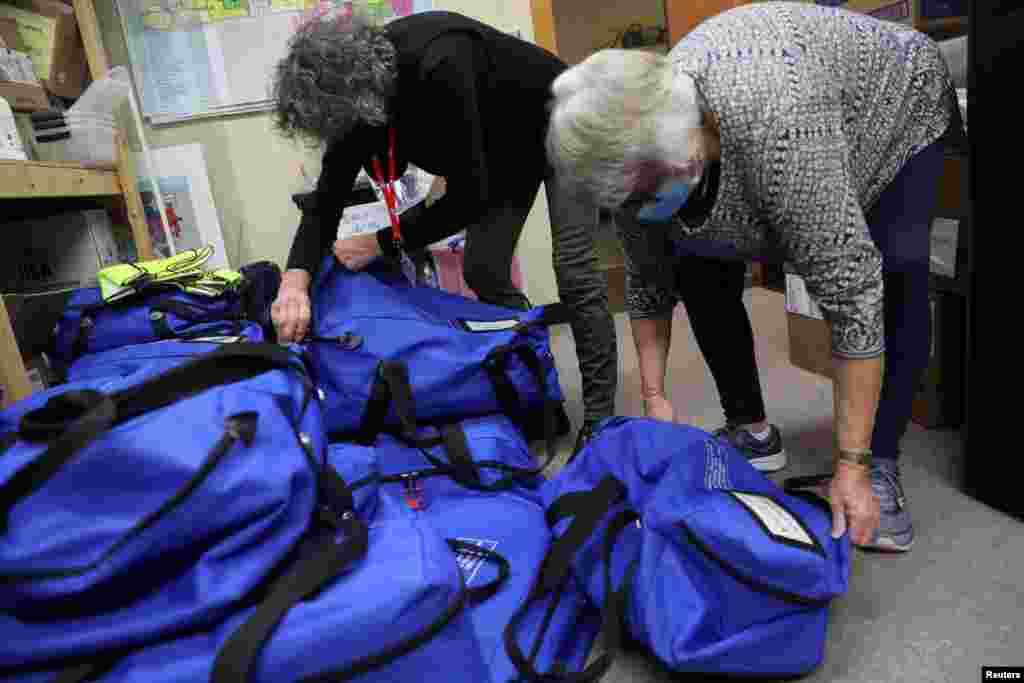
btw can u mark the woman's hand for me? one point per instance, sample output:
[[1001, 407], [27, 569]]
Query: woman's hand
[[854, 504], [358, 251], [290, 312], [659, 408], [857, 386]]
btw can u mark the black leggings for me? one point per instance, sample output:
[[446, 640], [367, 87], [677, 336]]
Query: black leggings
[[490, 244], [900, 224]]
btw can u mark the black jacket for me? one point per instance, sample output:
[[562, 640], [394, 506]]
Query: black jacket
[[471, 106]]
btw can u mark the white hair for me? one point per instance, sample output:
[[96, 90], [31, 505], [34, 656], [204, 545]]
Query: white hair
[[615, 109]]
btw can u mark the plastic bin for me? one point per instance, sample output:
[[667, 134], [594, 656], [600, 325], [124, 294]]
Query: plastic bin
[[93, 144]]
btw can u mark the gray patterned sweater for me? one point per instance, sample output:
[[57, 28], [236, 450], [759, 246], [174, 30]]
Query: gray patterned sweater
[[819, 109]]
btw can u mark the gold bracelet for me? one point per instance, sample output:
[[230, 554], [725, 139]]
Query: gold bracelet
[[856, 458]]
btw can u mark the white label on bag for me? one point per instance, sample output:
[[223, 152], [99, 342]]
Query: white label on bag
[[716, 471], [215, 340], [779, 521], [470, 563], [490, 325]]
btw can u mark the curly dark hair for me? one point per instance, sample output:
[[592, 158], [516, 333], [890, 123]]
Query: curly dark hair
[[336, 75]]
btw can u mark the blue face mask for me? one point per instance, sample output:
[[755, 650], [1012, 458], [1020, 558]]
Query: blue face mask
[[669, 198]]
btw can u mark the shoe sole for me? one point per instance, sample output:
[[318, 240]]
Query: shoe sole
[[770, 463], [887, 545]]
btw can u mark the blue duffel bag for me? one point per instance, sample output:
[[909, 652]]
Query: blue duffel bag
[[477, 482], [371, 391], [401, 613], [134, 509], [156, 356], [727, 573], [91, 325], [465, 358]]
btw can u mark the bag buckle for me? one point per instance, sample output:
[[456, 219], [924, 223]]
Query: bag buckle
[[415, 496]]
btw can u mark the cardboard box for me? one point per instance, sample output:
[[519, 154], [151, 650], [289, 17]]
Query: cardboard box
[[810, 336], [8, 32], [33, 319], [953, 187], [65, 250], [810, 344], [48, 32]]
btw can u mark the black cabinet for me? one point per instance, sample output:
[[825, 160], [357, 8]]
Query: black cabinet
[[995, 52]]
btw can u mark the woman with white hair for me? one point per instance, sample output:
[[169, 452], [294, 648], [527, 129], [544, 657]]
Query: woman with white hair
[[777, 132], [460, 100]]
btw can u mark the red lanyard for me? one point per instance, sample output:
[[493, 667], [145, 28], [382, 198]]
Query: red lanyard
[[388, 186]]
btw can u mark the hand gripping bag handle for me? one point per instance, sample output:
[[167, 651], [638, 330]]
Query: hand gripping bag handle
[[802, 487]]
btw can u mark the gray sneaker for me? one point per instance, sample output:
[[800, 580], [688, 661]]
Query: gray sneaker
[[896, 531], [767, 456]]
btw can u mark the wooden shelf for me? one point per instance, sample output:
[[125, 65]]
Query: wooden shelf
[[58, 180], [51, 180]]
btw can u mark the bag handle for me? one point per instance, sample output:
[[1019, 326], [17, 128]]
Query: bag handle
[[489, 590], [496, 365], [391, 387], [802, 487], [94, 413], [586, 509], [73, 420], [550, 315], [89, 671], [325, 561], [461, 466]]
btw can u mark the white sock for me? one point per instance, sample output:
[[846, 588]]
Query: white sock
[[762, 436]]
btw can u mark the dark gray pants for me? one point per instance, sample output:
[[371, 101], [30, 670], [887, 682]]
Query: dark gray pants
[[582, 285]]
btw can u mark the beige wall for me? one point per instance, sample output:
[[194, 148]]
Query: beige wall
[[253, 172], [582, 26]]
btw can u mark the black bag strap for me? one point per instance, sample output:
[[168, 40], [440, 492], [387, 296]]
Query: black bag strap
[[324, 561], [185, 310], [485, 592], [802, 487], [7, 440], [93, 413], [587, 510], [89, 671], [496, 365], [391, 387], [467, 471], [73, 420], [550, 315]]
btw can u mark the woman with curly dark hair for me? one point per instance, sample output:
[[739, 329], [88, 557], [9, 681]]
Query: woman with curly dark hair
[[460, 100]]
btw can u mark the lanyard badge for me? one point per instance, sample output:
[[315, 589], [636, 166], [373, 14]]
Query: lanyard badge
[[391, 201]]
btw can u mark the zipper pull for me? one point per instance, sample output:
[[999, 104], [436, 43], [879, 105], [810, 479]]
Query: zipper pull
[[242, 427], [415, 496]]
